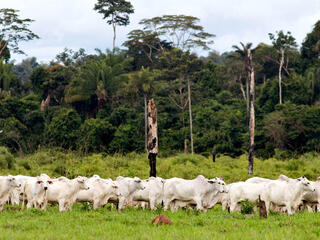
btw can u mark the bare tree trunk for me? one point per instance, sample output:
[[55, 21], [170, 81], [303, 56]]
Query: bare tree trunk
[[145, 123], [114, 34], [45, 103], [214, 153], [241, 88], [247, 91], [152, 137], [185, 146], [280, 78], [190, 115], [251, 114]]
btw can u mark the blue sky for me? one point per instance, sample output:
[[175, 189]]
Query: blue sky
[[74, 24]]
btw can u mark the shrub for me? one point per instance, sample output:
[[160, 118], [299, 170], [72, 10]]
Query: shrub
[[63, 129], [6, 159], [247, 207], [95, 135]]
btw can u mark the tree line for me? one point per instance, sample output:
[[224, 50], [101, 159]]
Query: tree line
[[263, 100]]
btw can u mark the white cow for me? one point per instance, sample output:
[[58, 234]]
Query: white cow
[[100, 191], [222, 198], [241, 191], [210, 199], [64, 191], [191, 191], [258, 180], [127, 187], [17, 193], [35, 192], [152, 194], [286, 193], [311, 200], [7, 183]]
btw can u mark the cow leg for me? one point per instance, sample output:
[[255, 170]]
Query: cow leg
[[166, 204], [95, 204], [153, 204], [233, 206], [199, 203], [121, 203], [309, 208], [288, 207], [267, 206], [61, 205]]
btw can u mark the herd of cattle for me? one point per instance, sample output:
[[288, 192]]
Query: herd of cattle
[[283, 194]]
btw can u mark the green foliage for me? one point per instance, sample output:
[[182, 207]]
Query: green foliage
[[95, 135], [14, 30], [247, 207], [183, 31], [63, 130], [6, 159]]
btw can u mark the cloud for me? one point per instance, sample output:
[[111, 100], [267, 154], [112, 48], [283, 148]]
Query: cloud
[[74, 23]]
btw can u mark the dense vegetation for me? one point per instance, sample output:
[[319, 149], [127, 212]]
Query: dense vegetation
[[70, 164], [94, 103]]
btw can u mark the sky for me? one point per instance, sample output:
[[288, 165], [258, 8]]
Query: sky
[[74, 24]]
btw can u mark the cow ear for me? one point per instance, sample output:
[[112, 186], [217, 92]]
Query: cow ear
[[211, 182], [299, 179]]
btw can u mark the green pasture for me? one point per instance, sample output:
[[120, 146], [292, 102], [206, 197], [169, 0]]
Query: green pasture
[[104, 223]]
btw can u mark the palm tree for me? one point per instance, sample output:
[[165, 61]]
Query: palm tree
[[246, 55], [98, 77]]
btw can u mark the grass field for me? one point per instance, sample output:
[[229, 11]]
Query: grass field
[[136, 224], [104, 223]]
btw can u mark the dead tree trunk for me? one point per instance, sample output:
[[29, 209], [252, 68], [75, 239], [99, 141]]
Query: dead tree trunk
[[214, 153], [152, 137], [45, 103], [280, 77], [251, 113], [145, 123], [247, 92], [190, 115]]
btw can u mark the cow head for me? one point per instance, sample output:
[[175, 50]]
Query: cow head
[[219, 184], [13, 182], [82, 181], [138, 183], [306, 184]]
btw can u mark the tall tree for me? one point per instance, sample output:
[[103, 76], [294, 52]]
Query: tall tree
[[283, 43], [117, 10], [243, 53], [14, 30], [182, 31], [145, 43], [246, 54]]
